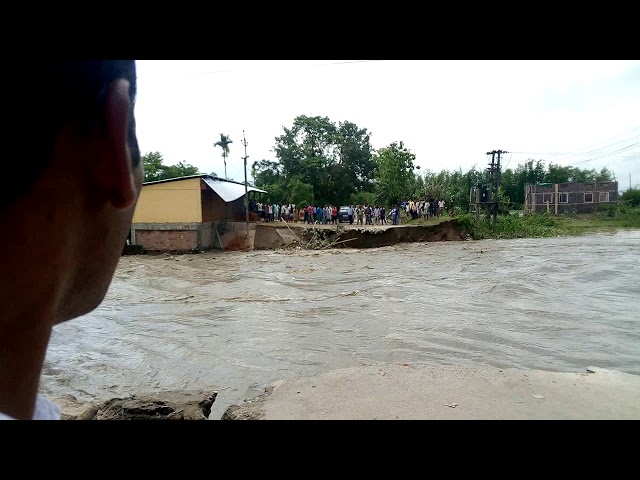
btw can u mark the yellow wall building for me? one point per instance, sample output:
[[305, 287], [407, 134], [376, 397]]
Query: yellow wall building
[[179, 201], [179, 214]]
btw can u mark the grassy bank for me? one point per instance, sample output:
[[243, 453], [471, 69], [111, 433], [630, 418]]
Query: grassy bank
[[547, 225]]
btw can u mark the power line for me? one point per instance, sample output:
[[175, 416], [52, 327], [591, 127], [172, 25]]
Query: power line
[[623, 149], [574, 153], [564, 157], [601, 141], [510, 155]]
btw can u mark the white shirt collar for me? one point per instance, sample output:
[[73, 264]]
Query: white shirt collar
[[45, 410]]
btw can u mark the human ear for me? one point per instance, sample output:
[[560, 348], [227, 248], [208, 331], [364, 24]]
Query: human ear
[[120, 175]]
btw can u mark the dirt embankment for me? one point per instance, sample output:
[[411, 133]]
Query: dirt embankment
[[373, 238], [273, 236], [162, 406]]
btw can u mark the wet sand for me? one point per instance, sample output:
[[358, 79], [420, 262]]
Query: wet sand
[[414, 392]]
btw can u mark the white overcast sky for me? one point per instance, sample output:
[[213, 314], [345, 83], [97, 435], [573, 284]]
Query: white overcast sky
[[448, 112]]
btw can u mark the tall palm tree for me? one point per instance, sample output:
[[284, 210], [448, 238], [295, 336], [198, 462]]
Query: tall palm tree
[[224, 144]]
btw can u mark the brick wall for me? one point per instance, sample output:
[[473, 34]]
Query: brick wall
[[167, 240], [206, 236]]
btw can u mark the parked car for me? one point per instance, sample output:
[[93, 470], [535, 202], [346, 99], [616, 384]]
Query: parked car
[[343, 214]]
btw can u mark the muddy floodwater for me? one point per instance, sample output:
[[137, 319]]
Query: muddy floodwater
[[238, 321]]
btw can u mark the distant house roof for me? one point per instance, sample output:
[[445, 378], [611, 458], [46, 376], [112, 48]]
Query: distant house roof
[[228, 190]]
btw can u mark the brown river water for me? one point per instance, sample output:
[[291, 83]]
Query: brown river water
[[237, 322]]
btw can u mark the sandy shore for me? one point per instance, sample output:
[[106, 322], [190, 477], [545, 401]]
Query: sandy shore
[[449, 392]]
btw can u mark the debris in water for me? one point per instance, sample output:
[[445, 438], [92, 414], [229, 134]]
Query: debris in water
[[452, 405], [537, 395], [298, 391], [590, 371]]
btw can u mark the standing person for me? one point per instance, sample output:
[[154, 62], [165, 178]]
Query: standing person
[[395, 214], [441, 207], [85, 176], [350, 214], [382, 217], [310, 214], [334, 214], [320, 215]]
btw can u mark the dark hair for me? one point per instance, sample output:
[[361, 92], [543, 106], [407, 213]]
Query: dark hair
[[45, 97]]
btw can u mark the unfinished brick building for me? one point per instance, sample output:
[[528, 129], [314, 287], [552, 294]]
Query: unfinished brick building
[[569, 197]]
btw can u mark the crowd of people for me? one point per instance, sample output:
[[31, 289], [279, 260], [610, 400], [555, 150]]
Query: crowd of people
[[432, 207], [358, 214]]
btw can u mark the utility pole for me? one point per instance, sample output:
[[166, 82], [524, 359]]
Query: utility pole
[[494, 172], [246, 188]]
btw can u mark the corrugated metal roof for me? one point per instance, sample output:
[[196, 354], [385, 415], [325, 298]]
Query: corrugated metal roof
[[176, 179], [229, 191]]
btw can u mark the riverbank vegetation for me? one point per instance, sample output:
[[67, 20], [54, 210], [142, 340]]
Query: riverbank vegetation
[[518, 225], [318, 161]]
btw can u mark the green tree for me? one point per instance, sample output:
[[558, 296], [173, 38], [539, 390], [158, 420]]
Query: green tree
[[605, 175], [182, 169], [223, 143], [154, 168], [334, 159], [631, 197], [395, 167], [301, 193], [510, 187], [266, 172], [362, 198], [558, 174]]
